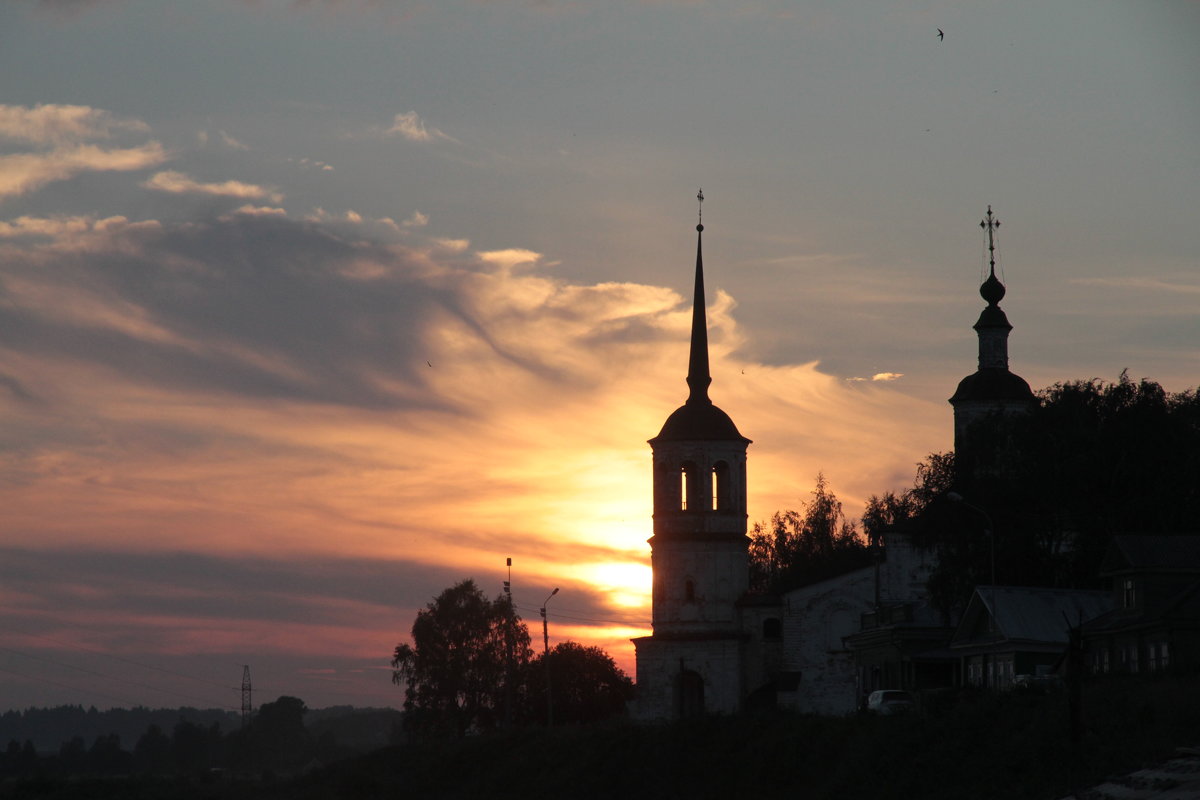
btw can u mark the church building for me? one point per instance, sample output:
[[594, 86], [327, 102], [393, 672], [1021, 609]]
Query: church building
[[715, 648], [693, 662]]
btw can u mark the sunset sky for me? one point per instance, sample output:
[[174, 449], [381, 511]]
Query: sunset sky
[[312, 308]]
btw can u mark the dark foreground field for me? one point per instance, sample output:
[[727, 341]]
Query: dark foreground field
[[975, 746]]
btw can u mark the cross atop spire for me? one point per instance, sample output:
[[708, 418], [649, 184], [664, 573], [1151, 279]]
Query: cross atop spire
[[700, 212], [991, 224], [992, 289]]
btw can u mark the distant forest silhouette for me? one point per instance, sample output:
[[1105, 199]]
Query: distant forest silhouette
[[71, 740]]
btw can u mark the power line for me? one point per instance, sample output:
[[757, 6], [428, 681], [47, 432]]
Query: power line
[[562, 615]]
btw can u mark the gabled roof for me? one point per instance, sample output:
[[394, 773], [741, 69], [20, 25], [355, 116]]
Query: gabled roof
[[1029, 613], [1157, 553]]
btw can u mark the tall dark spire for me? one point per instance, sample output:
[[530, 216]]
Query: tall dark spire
[[698, 378], [698, 419]]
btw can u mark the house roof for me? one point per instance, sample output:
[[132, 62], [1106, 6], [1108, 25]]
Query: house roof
[[1130, 553], [1184, 606], [1030, 613]]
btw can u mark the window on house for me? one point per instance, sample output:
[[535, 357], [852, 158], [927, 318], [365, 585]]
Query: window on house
[[1129, 594], [1129, 658], [689, 591], [772, 628], [1156, 656]]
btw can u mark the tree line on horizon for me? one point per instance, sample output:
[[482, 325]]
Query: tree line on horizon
[[276, 739]]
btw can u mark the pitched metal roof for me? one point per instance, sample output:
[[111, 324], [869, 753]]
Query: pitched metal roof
[[1033, 614]]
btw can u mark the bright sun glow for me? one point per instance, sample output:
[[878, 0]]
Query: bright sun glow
[[627, 584]]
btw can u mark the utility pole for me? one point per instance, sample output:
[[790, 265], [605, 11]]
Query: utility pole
[[247, 705], [508, 649], [546, 658]]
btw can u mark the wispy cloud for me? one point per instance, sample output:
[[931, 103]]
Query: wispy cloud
[[512, 257], [231, 142], [56, 124], [24, 172], [878, 377], [179, 183], [59, 136], [260, 211], [409, 125], [257, 385], [50, 226]]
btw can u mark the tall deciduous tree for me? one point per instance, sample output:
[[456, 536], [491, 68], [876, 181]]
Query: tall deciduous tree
[[935, 477], [465, 652], [586, 685], [798, 549]]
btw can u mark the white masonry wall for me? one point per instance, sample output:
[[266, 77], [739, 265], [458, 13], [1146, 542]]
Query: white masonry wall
[[815, 619]]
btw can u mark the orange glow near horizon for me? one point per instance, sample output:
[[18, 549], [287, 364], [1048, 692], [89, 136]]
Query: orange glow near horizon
[[522, 434]]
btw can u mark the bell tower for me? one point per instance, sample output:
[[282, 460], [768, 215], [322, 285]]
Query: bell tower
[[691, 664], [992, 388]]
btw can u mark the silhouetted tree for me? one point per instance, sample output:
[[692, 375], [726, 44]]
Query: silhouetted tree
[[1053, 486], [152, 753], [935, 476], [72, 756], [799, 549], [455, 670], [194, 747], [107, 758], [18, 761], [586, 684], [276, 737], [28, 762]]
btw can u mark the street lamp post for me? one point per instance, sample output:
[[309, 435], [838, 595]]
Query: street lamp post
[[508, 648], [546, 658]]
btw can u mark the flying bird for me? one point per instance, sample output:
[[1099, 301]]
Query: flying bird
[[428, 363], [941, 35]]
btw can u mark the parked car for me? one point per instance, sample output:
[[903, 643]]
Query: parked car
[[890, 701]]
